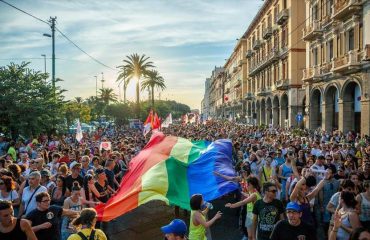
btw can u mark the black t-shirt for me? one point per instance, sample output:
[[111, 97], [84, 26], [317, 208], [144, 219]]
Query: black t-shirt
[[284, 231], [268, 215], [70, 180], [110, 178], [52, 215], [103, 191]]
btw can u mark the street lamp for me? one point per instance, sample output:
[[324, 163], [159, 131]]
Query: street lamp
[[96, 86], [43, 55]]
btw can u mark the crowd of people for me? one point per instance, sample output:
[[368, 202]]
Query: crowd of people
[[294, 184]]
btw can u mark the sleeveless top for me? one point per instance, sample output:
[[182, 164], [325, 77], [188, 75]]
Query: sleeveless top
[[343, 234], [56, 201], [196, 232], [251, 204], [265, 172], [16, 233], [365, 208], [102, 191]]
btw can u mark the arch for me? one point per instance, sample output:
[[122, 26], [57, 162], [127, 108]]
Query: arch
[[315, 109], [331, 109], [284, 111], [263, 111], [351, 115], [258, 112], [268, 111], [346, 83], [276, 111]]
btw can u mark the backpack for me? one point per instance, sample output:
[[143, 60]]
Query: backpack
[[83, 237]]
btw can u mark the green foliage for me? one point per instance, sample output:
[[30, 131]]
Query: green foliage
[[28, 104], [153, 80], [75, 110]]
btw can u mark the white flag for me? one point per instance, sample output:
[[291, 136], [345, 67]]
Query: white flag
[[167, 121], [79, 131], [147, 128]]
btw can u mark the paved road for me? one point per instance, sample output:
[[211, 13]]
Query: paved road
[[144, 222]]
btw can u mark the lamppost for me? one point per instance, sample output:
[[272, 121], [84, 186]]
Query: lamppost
[[52, 36], [102, 80], [43, 55]]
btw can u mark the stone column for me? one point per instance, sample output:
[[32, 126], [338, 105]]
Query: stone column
[[275, 116], [268, 115], [365, 116]]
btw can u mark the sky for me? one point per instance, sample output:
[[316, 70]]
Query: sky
[[185, 39]]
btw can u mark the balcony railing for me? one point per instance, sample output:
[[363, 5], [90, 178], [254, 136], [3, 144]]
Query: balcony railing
[[312, 31], [256, 44], [282, 84], [349, 61], [269, 58], [343, 8], [235, 69], [227, 90], [367, 53], [266, 33], [282, 16], [238, 83], [249, 53], [311, 73]]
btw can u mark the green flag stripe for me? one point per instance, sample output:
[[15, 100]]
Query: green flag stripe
[[196, 150]]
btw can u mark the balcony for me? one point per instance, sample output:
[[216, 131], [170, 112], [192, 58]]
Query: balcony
[[283, 50], [249, 96], [269, 58], [312, 31], [266, 33], [249, 54], [235, 69], [349, 62], [256, 44], [227, 90], [238, 83], [282, 16], [346, 8], [312, 73], [282, 84], [326, 21], [263, 91]]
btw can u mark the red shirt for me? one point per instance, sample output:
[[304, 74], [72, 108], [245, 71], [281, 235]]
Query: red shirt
[[64, 159]]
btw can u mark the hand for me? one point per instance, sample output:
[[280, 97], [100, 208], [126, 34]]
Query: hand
[[218, 215], [337, 220], [46, 225], [228, 205]]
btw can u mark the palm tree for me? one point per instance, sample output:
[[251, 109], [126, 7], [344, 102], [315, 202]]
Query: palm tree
[[137, 66], [107, 95], [152, 80], [78, 100], [123, 78]]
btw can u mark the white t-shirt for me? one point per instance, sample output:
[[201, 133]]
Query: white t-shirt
[[11, 197], [27, 193]]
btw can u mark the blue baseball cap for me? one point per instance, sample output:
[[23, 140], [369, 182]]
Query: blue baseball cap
[[294, 206], [177, 226]]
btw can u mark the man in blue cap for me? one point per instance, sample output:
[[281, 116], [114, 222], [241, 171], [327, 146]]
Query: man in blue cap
[[293, 228], [175, 230]]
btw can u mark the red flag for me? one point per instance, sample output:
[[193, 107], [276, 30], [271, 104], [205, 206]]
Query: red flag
[[156, 122], [149, 119]]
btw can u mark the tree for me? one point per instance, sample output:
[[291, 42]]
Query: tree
[[75, 110], [137, 66], [28, 104], [152, 80], [123, 78], [107, 95]]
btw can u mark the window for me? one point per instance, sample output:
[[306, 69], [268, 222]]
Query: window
[[360, 39], [315, 12], [351, 40], [339, 52], [315, 57], [284, 4], [330, 50], [329, 7]]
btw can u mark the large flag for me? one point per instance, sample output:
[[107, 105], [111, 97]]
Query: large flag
[[166, 123], [172, 169], [79, 135]]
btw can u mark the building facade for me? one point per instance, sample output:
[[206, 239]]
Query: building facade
[[275, 58], [336, 78]]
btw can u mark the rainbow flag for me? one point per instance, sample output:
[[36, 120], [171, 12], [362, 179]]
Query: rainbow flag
[[172, 169]]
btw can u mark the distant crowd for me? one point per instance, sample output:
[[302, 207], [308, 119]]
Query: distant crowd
[[294, 184]]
